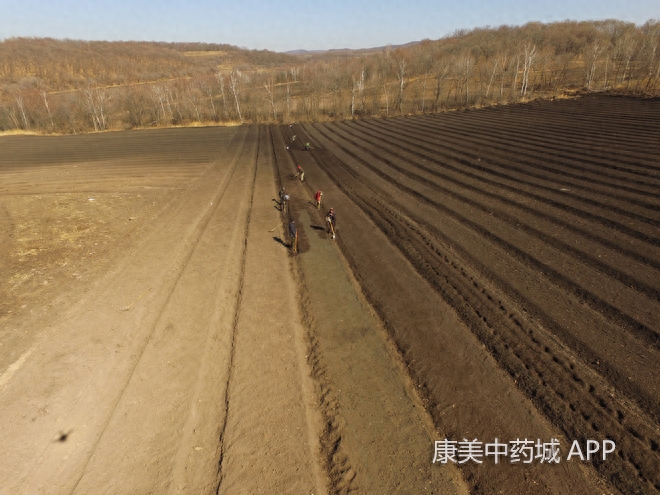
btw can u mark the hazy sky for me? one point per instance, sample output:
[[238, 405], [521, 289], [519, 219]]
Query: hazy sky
[[278, 25]]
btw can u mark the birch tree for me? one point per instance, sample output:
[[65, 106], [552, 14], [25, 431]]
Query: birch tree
[[44, 97], [236, 78], [591, 54], [97, 100], [269, 85], [206, 86], [464, 66], [20, 104], [529, 56], [221, 82], [401, 72], [505, 64], [193, 97]]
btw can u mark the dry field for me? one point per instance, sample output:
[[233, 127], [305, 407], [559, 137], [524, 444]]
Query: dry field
[[496, 277]]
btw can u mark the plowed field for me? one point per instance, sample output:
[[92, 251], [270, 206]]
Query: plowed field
[[495, 278]]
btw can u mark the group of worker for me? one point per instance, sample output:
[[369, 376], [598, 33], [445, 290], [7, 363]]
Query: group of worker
[[330, 218], [306, 147]]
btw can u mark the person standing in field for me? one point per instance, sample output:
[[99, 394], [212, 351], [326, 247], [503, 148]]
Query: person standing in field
[[285, 202], [331, 221], [293, 235], [317, 197], [281, 196], [300, 173]]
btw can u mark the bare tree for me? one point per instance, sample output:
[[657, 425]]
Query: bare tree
[[206, 85], [221, 81], [401, 72], [441, 71], [354, 90], [236, 77], [44, 97], [288, 97], [138, 112], [505, 64], [97, 100], [361, 85], [492, 76], [160, 96], [20, 104], [357, 90], [193, 94], [426, 65], [516, 72], [386, 93], [464, 66], [13, 116], [647, 54], [269, 85], [336, 86], [624, 49], [591, 54], [529, 56]]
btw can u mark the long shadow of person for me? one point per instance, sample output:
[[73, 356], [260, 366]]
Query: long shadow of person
[[277, 239]]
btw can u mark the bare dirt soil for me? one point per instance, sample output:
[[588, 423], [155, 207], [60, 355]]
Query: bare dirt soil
[[154, 336], [496, 275]]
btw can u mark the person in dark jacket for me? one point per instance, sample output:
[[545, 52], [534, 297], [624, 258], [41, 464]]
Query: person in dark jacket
[[293, 235]]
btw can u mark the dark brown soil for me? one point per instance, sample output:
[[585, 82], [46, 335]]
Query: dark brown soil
[[538, 225]]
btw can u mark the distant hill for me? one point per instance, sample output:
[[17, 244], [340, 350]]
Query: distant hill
[[348, 51], [73, 86], [65, 64]]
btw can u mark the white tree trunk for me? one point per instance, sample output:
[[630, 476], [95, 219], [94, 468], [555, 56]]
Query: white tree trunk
[[234, 84]]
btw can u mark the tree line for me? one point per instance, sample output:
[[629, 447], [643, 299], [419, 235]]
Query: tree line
[[68, 86]]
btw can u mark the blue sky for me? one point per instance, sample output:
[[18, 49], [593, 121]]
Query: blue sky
[[280, 25]]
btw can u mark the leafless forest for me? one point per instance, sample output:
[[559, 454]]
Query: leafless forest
[[67, 86]]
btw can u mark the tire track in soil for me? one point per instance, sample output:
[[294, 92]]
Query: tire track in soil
[[232, 340], [375, 439], [180, 327], [641, 465], [270, 438]]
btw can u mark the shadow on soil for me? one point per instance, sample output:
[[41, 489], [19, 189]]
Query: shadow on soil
[[277, 239]]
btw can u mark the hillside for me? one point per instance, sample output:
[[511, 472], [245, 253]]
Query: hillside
[[71, 86]]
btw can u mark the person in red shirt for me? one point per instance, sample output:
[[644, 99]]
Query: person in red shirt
[[317, 197]]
